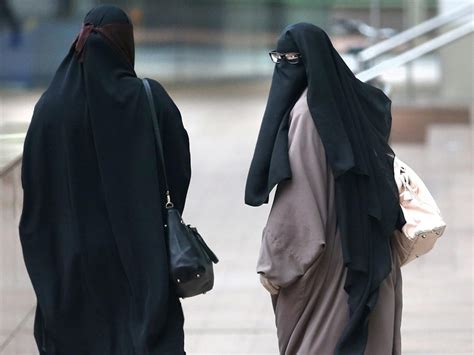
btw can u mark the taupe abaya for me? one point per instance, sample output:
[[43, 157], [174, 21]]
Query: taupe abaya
[[301, 252]]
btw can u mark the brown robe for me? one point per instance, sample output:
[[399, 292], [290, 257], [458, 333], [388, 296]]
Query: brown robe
[[301, 252]]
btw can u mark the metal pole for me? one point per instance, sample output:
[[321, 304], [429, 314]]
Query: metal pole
[[414, 32], [417, 52]]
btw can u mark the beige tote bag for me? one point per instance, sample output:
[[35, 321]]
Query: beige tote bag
[[424, 224]]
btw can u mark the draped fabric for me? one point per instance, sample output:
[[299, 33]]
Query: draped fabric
[[92, 223], [354, 120], [301, 252]]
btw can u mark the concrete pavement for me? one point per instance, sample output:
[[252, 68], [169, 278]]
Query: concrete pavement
[[236, 317]]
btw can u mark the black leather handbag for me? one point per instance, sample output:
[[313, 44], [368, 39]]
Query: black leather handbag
[[190, 259]]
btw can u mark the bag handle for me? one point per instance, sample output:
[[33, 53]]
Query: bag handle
[[156, 130]]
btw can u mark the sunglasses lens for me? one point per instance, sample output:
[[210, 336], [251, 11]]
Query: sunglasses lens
[[276, 58]]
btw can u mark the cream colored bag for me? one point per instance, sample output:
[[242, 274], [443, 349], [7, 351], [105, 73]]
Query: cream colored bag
[[424, 224]]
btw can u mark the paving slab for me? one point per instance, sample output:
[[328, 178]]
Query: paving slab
[[236, 317]]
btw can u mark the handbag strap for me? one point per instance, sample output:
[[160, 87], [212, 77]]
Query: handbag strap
[[156, 130]]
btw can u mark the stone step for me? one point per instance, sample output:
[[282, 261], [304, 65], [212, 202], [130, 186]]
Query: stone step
[[410, 123]]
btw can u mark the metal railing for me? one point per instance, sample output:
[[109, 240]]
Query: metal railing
[[414, 32], [375, 51], [414, 53]]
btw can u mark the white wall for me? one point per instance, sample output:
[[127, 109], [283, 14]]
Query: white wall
[[446, 5], [457, 60]]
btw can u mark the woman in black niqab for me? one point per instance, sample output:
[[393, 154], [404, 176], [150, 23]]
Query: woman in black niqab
[[353, 120], [92, 224]]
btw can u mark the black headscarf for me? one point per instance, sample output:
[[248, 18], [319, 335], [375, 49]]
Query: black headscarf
[[92, 228], [354, 120]]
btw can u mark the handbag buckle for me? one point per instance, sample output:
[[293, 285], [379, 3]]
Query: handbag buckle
[[168, 204]]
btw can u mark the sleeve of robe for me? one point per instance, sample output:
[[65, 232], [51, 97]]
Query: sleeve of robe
[[294, 237]]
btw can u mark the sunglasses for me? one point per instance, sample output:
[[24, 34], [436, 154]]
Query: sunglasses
[[292, 57]]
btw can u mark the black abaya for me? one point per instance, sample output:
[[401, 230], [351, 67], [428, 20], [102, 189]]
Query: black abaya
[[92, 223]]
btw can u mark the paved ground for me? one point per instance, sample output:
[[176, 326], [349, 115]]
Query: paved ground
[[236, 318]]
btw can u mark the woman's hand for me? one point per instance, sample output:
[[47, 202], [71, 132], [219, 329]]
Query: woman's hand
[[269, 286]]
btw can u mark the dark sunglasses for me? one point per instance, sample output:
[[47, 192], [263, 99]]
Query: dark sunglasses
[[292, 57]]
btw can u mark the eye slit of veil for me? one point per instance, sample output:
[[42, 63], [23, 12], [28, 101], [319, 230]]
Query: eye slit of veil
[[290, 57]]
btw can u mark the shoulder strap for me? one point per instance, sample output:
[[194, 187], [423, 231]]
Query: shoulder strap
[[159, 145]]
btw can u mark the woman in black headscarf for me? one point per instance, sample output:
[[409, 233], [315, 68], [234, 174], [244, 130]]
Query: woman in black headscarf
[[326, 253], [92, 223]]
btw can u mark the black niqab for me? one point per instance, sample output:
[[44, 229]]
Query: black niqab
[[91, 228], [354, 120]]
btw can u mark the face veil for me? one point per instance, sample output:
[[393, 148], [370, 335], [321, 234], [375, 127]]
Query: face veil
[[353, 119]]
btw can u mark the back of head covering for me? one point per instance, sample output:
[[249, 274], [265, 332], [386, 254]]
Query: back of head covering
[[120, 34], [354, 120], [114, 25], [91, 229]]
